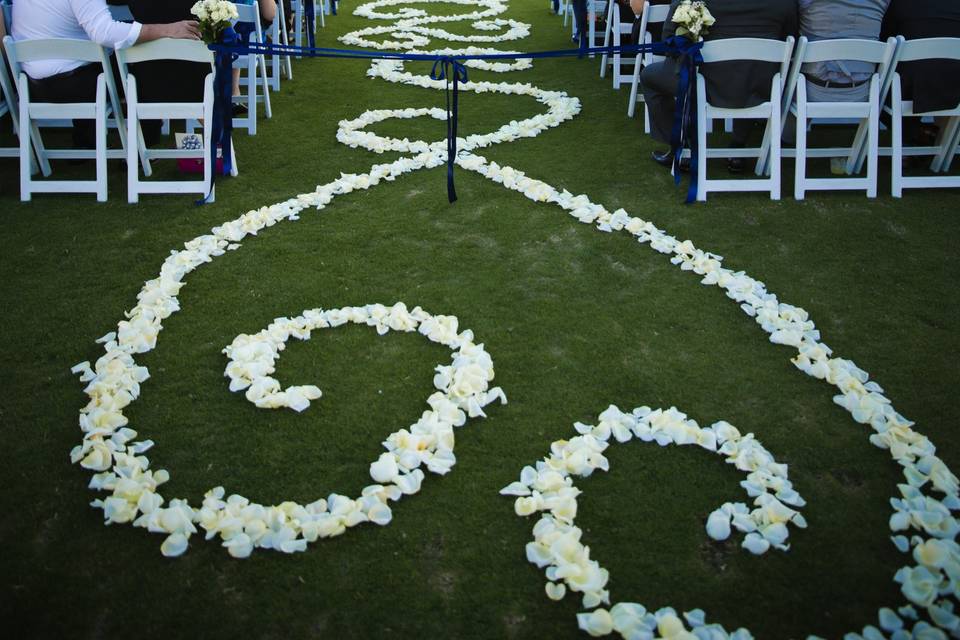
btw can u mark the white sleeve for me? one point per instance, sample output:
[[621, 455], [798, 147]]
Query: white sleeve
[[97, 21]]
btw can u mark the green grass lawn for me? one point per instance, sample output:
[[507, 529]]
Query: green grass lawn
[[574, 319]]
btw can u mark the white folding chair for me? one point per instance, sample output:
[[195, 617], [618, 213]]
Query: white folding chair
[[652, 14], [614, 36], [948, 142], [31, 114], [745, 49], [256, 81], [865, 114], [166, 49]]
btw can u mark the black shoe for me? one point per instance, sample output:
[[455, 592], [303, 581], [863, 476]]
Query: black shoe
[[665, 159], [736, 165], [239, 110]]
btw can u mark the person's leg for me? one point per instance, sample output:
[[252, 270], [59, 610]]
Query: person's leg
[[659, 84], [580, 17]]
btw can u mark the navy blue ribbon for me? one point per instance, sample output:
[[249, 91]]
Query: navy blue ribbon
[[447, 68], [684, 133], [222, 134], [310, 18], [333, 7], [451, 68]]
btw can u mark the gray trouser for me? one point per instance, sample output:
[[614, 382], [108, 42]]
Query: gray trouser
[[659, 84]]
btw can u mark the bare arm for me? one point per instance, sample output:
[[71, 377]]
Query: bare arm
[[268, 10], [185, 29]]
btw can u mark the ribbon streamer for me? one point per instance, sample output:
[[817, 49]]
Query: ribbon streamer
[[310, 17], [684, 133], [452, 69], [222, 134], [444, 69]]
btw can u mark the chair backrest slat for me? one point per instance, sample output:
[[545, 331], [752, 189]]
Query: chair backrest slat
[[167, 49], [56, 49], [752, 49], [930, 49], [872, 51]]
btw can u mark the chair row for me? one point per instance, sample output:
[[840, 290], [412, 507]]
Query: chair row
[[29, 116], [789, 101], [106, 112]]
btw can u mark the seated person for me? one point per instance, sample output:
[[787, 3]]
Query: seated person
[[75, 80], [840, 80], [925, 82], [167, 80], [735, 84]]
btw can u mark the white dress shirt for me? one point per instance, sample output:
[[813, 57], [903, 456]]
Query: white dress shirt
[[76, 19]]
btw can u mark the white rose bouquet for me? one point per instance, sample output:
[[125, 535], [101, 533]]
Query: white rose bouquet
[[692, 19], [214, 16]]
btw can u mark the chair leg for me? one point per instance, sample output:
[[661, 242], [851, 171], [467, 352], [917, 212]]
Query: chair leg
[[701, 152], [208, 165], [896, 157], [26, 124], [873, 142], [100, 128], [252, 105], [133, 154], [946, 143], [285, 38], [800, 173], [267, 110], [634, 88], [234, 169], [952, 149]]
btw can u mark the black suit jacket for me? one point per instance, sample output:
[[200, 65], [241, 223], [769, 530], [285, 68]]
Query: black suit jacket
[[167, 81], [740, 84], [935, 84]]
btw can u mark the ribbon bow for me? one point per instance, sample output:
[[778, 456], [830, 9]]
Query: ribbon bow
[[447, 68]]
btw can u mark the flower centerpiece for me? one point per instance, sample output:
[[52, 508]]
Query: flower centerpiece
[[214, 16], [692, 19]]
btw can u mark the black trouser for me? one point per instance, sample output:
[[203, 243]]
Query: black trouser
[[659, 84], [580, 18]]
